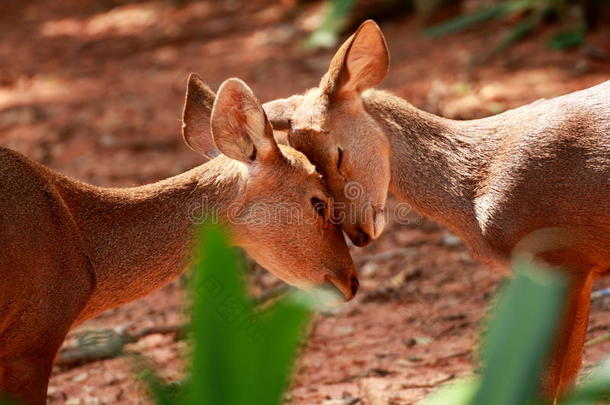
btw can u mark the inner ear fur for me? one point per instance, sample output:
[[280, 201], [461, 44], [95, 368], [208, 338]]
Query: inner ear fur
[[360, 63], [239, 125]]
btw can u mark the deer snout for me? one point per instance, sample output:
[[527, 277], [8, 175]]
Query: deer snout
[[347, 287], [372, 226], [379, 221]]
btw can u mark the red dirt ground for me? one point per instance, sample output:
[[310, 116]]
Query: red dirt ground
[[94, 89]]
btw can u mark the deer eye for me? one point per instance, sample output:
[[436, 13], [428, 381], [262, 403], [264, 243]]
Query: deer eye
[[340, 160], [319, 205]]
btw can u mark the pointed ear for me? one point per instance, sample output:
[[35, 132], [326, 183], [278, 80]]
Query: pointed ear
[[239, 125], [280, 111], [196, 117], [362, 62]]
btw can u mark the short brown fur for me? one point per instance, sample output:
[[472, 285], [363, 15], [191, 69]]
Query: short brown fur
[[539, 173], [69, 250]]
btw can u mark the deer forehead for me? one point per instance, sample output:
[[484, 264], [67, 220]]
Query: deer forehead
[[312, 113], [298, 160], [317, 115]]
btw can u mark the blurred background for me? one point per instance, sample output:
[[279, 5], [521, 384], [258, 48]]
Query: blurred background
[[94, 89]]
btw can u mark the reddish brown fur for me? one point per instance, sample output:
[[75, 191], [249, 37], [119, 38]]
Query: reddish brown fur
[[70, 250], [540, 172]]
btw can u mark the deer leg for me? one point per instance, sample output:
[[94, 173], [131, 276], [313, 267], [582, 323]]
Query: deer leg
[[25, 372], [25, 379], [566, 357]]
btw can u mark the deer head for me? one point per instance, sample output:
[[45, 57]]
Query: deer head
[[330, 125], [282, 215]]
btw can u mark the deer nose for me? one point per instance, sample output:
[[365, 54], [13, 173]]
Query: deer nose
[[362, 238]]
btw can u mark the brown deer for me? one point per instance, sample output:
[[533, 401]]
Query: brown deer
[[493, 181], [69, 250]]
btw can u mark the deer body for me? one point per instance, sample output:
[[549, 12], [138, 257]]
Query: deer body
[[45, 277], [536, 177], [493, 181], [77, 250], [139, 239], [69, 250], [540, 172]]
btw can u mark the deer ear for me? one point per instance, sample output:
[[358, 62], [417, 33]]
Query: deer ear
[[196, 117], [281, 110], [239, 125], [362, 62]]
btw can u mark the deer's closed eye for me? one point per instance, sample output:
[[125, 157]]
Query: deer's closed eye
[[319, 205], [339, 158]]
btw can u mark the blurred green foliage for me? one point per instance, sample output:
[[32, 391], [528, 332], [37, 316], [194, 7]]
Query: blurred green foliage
[[522, 17], [563, 40], [336, 13], [244, 356], [240, 355], [524, 322], [516, 344]]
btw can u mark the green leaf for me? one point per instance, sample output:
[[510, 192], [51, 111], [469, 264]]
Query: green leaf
[[455, 393], [336, 13], [564, 40], [223, 367], [519, 32], [239, 354], [160, 392], [519, 336], [467, 20], [284, 324]]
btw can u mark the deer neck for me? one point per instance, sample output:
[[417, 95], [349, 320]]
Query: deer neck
[[435, 163], [138, 239]]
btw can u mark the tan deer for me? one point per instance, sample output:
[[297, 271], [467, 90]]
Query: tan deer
[[493, 181], [69, 250]]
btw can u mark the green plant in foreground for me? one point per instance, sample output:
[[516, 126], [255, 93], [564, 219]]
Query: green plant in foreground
[[243, 356], [239, 355], [518, 339]]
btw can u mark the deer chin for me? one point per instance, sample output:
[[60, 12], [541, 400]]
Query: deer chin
[[331, 290], [347, 289]]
